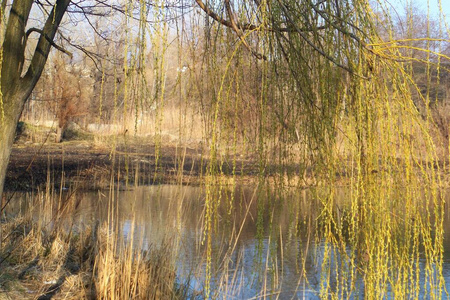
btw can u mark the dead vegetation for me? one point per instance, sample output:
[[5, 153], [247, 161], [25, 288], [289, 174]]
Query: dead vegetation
[[53, 258]]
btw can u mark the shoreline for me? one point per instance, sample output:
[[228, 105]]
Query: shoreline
[[94, 167]]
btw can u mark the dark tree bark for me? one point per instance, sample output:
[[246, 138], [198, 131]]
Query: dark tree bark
[[16, 82]]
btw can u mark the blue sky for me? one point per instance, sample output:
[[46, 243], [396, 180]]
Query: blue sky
[[423, 6]]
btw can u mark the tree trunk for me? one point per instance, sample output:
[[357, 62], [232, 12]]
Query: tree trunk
[[12, 110], [16, 87], [59, 134]]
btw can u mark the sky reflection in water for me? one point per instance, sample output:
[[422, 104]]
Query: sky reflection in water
[[254, 253]]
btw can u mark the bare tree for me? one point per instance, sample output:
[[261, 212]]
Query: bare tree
[[20, 72], [18, 78]]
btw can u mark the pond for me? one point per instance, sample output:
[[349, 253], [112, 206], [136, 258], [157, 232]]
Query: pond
[[263, 243]]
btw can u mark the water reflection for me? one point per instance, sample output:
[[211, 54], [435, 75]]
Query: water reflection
[[268, 244]]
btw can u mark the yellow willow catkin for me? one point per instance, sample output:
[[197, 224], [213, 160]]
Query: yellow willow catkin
[[159, 47], [360, 122], [102, 85]]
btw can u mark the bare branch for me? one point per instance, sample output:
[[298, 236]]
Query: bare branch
[[305, 38], [246, 27], [338, 28], [29, 31], [93, 56], [43, 47], [239, 32]]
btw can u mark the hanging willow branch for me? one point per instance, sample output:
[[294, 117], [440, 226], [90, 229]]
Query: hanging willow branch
[[310, 43], [292, 27], [239, 31], [248, 26]]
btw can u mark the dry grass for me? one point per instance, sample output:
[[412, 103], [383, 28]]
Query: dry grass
[[130, 273], [49, 258]]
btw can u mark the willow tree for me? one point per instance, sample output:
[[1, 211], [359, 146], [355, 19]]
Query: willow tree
[[336, 97], [281, 18]]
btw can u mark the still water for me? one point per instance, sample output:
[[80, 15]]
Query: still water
[[264, 244]]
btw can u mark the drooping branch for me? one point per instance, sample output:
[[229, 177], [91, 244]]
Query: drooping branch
[[102, 8], [290, 26], [52, 43], [239, 33], [324, 15], [310, 43], [245, 27], [94, 57]]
